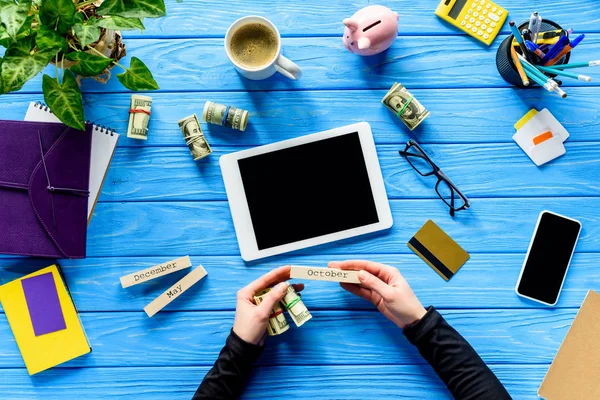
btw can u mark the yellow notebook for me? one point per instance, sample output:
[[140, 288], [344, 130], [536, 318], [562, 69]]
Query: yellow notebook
[[45, 350]]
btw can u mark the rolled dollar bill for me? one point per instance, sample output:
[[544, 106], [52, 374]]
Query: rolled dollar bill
[[402, 103], [219, 114], [294, 305], [277, 322], [139, 117], [194, 138]]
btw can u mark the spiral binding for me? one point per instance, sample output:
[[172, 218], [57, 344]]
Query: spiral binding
[[97, 128]]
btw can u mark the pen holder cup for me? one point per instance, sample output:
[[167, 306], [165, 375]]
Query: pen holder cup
[[504, 61]]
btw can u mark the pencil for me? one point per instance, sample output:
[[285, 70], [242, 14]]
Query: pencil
[[578, 65], [536, 75], [566, 74], [519, 66]]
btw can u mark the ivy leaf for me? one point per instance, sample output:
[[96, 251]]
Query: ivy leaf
[[19, 66], [47, 39], [138, 76], [133, 8], [88, 64], [86, 33], [13, 15], [58, 14], [64, 100], [120, 23]]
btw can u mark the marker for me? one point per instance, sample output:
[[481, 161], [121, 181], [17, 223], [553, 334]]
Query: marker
[[519, 67], [554, 50], [584, 78], [578, 65], [535, 23], [519, 39], [566, 50], [534, 48], [526, 33]]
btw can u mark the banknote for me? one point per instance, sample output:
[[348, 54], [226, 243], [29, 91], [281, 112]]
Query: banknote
[[139, 117], [402, 103], [194, 138], [277, 322], [294, 305], [219, 114]]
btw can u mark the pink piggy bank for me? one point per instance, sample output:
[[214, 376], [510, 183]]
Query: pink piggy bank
[[371, 30]]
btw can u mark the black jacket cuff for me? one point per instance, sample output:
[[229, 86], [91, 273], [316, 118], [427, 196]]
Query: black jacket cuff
[[243, 349], [417, 330]]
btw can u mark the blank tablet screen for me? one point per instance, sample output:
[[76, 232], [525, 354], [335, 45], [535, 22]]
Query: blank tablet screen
[[307, 191]]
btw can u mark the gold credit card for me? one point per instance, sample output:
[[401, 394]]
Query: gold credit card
[[438, 250]]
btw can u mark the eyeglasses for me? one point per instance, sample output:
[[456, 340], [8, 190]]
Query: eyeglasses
[[444, 187]]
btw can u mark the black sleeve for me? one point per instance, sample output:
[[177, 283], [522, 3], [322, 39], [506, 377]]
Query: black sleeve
[[454, 360], [227, 377]]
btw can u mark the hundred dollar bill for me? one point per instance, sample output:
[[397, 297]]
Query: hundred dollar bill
[[194, 138], [229, 116], [139, 116], [277, 322], [402, 103], [294, 305]]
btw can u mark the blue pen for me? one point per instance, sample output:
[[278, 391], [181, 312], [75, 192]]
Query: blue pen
[[554, 50], [534, 48]]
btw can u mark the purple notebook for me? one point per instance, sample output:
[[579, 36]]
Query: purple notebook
[[43, 304], [44, 183]]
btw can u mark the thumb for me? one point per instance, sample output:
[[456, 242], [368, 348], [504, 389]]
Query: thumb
[[374, 283], [275, 295]]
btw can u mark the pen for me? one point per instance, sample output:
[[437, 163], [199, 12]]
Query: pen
[[578, 65], [519, 66], [535, 23], [584, 78], [534, 48], [519, 39], [526, 33], [567, 49], [554, 50]]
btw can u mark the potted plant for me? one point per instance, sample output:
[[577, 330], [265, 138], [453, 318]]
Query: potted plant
[[82, 38]]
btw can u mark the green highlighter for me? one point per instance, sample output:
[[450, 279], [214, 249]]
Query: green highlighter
[[438, 250]]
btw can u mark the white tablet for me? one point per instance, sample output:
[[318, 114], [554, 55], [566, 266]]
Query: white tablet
[[306, 191]]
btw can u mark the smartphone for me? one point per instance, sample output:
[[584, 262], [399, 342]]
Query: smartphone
[[548, 258]]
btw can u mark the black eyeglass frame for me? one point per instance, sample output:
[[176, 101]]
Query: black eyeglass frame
[[435, 170]]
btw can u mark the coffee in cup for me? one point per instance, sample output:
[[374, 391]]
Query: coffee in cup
[[253, 45]]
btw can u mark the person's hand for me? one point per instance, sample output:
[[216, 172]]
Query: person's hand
[[386, 288], [250, 319]]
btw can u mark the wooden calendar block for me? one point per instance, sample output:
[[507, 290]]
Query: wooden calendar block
[[324, 274], [156, 271], [175, 291]]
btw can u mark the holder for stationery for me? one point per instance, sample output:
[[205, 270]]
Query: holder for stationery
[[504, 61]]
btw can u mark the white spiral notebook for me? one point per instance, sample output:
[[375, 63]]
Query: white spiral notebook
[[104, 142]]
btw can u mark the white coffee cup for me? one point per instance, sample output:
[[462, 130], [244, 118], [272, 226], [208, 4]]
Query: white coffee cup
[[278, 64]]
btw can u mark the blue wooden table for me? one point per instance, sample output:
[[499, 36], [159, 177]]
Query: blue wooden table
[[158, 204]]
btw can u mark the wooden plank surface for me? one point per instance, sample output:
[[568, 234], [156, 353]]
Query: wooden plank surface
[[344, 337], [344, 382]]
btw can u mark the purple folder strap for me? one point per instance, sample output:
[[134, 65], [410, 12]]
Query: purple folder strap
[[44, 182]]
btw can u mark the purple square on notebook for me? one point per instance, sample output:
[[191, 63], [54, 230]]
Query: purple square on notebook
[[43, 304]]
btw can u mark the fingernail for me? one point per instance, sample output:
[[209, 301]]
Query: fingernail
[[282, 286], [362, 276]]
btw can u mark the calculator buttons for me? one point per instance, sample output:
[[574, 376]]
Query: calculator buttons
[[469, 12], [494, 9], [487, 20], [473, 30], [484, 12], [484, 26], [469, 26], [488, 5], [481, 17], [494, 17], [473, 5], [463, 23], [479, 33], [482, 2], [475, 14], [500, 12], [478, 8], [486, 36], [489, 30], [477, 23], [472, 20]]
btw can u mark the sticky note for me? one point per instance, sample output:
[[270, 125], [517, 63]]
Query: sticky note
[[43, 304], [438, 250]]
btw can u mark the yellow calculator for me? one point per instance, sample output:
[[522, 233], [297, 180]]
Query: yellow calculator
[[481, 19]]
